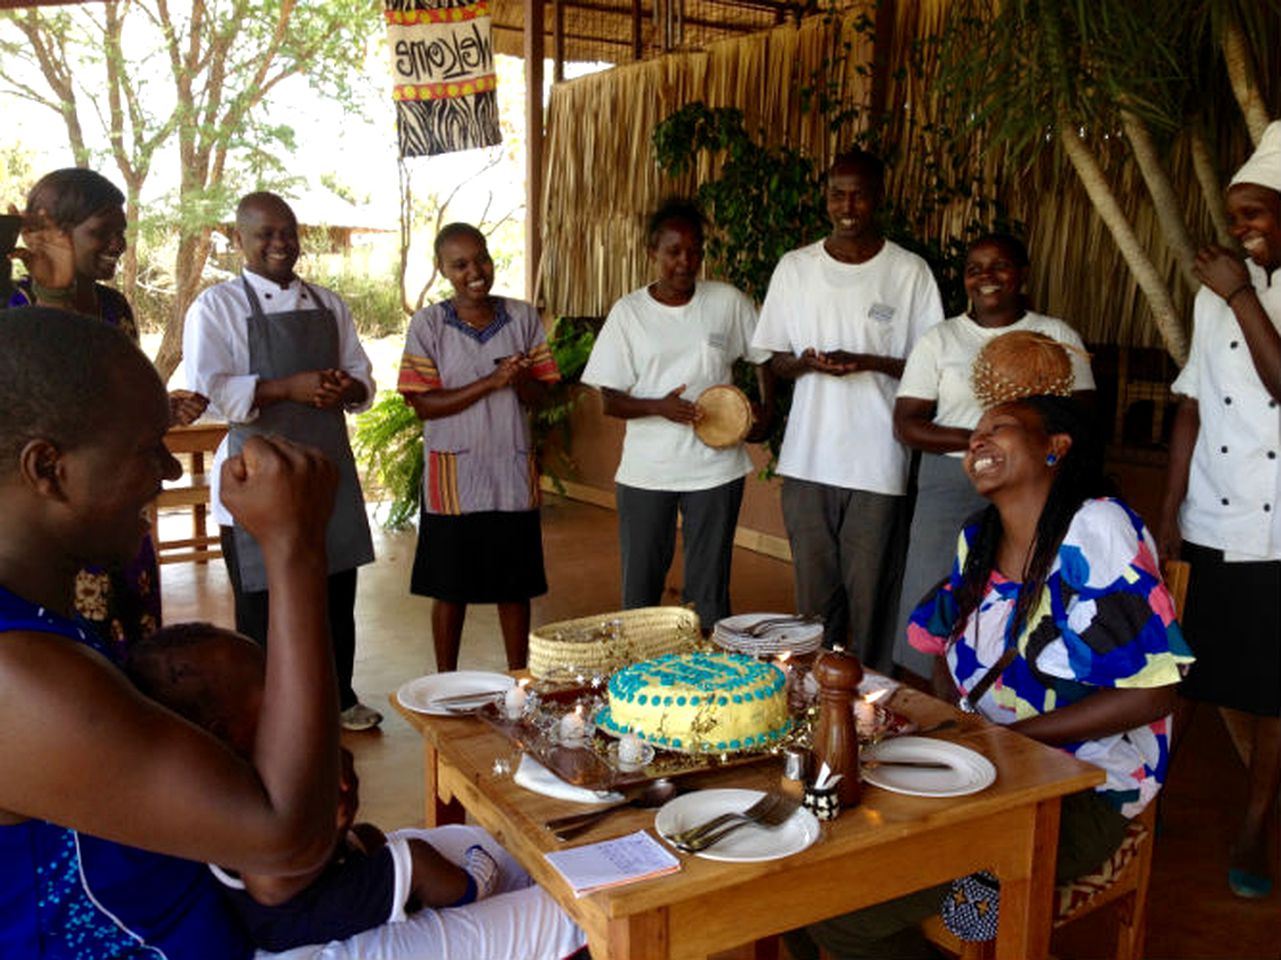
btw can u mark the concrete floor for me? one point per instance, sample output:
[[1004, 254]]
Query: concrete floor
[[1191, 912]]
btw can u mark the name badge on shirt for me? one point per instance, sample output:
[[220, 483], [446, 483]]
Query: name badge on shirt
[[717, 341], [881, 311]]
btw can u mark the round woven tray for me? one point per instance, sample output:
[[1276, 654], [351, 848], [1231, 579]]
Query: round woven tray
[[600, 644], [727, 416]]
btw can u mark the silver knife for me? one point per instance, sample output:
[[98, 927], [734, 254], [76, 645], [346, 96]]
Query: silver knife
[[921, 764]]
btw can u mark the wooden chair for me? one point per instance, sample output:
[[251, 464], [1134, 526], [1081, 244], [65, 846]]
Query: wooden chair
[[1122, 880], [189, 492]]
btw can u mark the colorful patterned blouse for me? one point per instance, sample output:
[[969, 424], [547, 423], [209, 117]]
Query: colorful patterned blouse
[[481, 458], [1104, 619]]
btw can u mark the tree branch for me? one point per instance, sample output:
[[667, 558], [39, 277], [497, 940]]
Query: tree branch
[[1169, 212], [1241, 74], [1113, 217], [1211, 189]]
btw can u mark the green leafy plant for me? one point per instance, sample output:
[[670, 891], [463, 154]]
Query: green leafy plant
[[388, 441], [571, 341]]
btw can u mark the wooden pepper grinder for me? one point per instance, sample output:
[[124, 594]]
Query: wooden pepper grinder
[[836, 737]]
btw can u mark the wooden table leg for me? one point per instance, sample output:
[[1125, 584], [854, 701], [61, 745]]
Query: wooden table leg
[[642, 936], [1027, 888], [439, 811]]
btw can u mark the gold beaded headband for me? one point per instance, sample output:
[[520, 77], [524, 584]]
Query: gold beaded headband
[[1022, 364]]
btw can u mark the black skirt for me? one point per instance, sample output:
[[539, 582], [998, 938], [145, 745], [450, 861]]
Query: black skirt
[[1233, 624], [490, 557]]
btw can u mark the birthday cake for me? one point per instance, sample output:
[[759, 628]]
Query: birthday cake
[[699, 703]]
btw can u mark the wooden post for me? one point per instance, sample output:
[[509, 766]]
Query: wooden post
[[637, 50], [886, 14], [558, 42], [534, 27]]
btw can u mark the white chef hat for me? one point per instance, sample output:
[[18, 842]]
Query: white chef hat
[[1264, 165]]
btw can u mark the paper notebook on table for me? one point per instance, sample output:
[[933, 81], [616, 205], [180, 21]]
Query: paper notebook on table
[[610, 863]]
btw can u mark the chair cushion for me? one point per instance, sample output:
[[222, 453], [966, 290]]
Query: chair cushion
[[1071, 897]]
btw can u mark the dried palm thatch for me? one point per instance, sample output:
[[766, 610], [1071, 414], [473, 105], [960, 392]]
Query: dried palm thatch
[[601, 181]]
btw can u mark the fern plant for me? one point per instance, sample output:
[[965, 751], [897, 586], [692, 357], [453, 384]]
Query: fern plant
[[388, 441]]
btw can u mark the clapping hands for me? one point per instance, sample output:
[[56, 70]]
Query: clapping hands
[[47, 252]]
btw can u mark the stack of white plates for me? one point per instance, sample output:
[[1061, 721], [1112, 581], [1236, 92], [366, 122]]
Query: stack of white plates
[[768, 634]]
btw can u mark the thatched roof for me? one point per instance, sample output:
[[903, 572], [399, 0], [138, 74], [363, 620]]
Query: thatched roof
[[602, 30]]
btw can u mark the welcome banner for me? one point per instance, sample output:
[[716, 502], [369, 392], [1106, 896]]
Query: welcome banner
[[442, 65]]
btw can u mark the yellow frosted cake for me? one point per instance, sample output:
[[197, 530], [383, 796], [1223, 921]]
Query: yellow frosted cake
[[699, 703]]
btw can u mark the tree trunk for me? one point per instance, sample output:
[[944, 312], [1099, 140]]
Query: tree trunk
[[129, 262], [1169, 212], [193, 251], [1211, 188], [1245, 85], [1140, 264]]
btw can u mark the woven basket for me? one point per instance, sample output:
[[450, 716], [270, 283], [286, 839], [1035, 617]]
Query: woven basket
[[601, 644]]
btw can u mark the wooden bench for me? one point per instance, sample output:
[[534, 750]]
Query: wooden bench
[[189, 444]]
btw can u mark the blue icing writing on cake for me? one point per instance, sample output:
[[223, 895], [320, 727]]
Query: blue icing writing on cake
[[699, 702]]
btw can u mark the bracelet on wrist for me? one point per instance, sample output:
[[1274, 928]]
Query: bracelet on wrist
[[53, 294], [1247, 285]]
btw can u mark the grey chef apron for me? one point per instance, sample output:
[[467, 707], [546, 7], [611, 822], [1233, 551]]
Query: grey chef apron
[[281, 345]]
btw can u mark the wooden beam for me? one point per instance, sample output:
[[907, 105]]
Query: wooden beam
[[886, 15], [638, 51], [558, 42], [607, 10], [534, 27]]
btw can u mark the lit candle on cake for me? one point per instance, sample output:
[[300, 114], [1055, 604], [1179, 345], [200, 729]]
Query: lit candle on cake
[[784, 663], [573, 728], [515, 700]]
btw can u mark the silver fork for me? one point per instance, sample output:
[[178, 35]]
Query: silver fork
[[774, 816], [762, 627], [762, 806]]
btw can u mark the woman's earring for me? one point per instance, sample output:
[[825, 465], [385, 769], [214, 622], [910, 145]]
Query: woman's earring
[[1051, 459]]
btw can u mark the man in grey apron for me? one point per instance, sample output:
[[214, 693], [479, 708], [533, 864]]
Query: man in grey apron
[[280, 356]]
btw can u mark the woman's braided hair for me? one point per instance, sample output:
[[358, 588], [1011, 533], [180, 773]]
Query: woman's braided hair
[[1079, 477]]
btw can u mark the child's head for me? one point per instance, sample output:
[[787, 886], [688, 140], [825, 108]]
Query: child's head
[[210, 676], [215, 678]]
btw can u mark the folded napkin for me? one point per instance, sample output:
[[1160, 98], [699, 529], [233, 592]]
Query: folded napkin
[[532, 775]]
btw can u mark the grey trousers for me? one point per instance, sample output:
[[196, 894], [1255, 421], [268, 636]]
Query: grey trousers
[[945, 499], [647, 538], [847, 558], [1090, 829]]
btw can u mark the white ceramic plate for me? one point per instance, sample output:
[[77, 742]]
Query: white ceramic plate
[[748, 844], [421, 695], [799, 638], [968, 771]]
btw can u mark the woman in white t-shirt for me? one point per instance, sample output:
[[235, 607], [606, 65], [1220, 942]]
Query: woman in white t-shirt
[[661, 347], [935, 411]]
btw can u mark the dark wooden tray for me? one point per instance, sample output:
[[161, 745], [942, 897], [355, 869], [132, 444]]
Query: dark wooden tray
[[591, 765]]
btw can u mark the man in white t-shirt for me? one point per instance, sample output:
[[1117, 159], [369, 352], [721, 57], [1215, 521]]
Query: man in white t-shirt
[[841, 315]]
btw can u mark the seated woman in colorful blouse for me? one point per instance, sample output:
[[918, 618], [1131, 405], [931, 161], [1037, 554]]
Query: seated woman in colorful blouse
[[1055, 622]]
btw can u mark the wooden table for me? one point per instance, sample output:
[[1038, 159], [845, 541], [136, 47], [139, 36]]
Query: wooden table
[[189, 492], [887, 846]]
